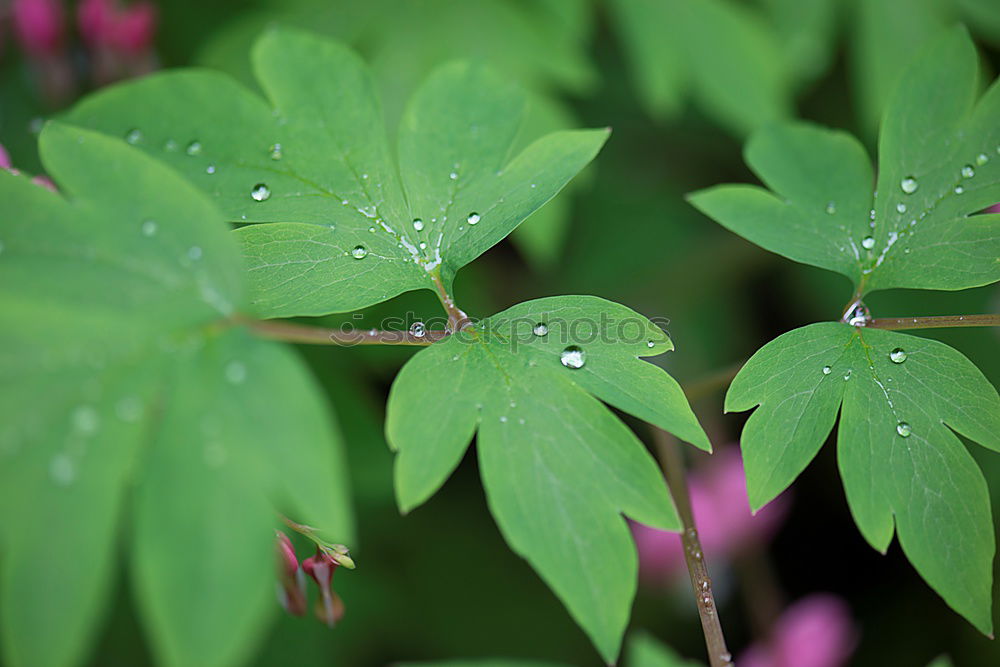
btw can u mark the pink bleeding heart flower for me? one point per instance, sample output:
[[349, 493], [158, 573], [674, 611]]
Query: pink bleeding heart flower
[[721, 513], [95, 20], [816, 631], [291, 582], [329, 608], [38, 25], [135, 27]]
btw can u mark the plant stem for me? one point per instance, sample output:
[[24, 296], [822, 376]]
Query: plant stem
[[290, 332], [672, 463], [935, 322], [457, 319]]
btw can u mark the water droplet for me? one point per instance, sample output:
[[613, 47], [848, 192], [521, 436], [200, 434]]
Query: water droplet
[[453, 176], [871, 216], [847, 375], [276, 151], [193, 148], [473, 218], [859, 315], [503, 419], [903, 429], [827, 370], [170, 145], [133, 136], [959, 189], [982, 159], [868, 243], [86, 420], [418, 330], [831, 207], [210, 169], [573, 357], [149, 228], [898, 355], [236, 372], [194, 253], [908, 185], [260, 192], [968, 171], [540, 329], [901, 207], [423, 245], [359, 252], [650, 344], [62, 469], [418, 224]]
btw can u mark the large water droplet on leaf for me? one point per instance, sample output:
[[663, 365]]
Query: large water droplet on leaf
[[903, 429], [573, 357], [898, 355], [359, 252], [260, 192], [418, 224], [473, 219], [540, 329], [968, 171], [868, 243], [418, 330]]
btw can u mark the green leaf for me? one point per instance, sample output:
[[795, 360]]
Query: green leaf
[[644, 650], [719, 52], [125, 380], [939, 166], [558, 467], [902, 399], [342, 231]]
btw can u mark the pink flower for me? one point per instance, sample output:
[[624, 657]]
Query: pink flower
[[38, 25], [96, 19], [722, 516], [5, 162], [329, 608], [292, 585], [816, 631], [994, 209], [135, 28]]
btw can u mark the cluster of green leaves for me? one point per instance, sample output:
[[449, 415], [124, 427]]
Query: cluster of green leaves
[[901, 398], [743, 63], [330, 219], [133, 406]]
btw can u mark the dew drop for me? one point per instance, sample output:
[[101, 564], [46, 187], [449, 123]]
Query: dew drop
[[959, 189], [62, 470], [133, 136], [847, 375], [86, 420], [275, 151], [473, 219], [982, 159], [650, 344], [210, 169], [236, 372], [260, 192], [868, 243], [573, 357], [170, 145], [827, 370], [149, 228], [359, 252], [968, 171], [503, 419], [418, 224], [193, 148], [898, 355], [831, 207], [901, 207], [540, 329], [908, 185], [423, 245], [418, 330], [453, 176], [903, 429]]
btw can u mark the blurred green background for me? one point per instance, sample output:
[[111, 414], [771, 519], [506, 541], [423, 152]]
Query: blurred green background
[[681, 83]]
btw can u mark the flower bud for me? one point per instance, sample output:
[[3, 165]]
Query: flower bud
[[329, 608], [38, 25], [291, 583]]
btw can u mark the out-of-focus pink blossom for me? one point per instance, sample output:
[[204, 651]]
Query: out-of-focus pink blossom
[[5, 162], [104, 25], [135, 28], [7, 165], [95, 20], [816, 631], [994, 209], [38, 25], [291, 583], [45, 182], [721, 513]]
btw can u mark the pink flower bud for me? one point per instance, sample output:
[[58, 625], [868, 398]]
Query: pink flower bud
[[45, 182], [135, 27], [96, 20], [291, 584], [38, 25], [329, 608]]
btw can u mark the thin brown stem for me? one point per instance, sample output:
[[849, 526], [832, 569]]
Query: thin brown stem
[[290, 332], [457, 319], [935, 322], [672, 463]]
